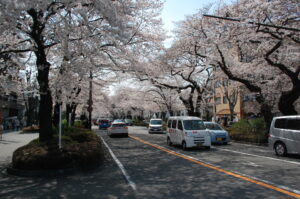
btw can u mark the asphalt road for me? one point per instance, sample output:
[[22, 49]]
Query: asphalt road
[[225, 171]]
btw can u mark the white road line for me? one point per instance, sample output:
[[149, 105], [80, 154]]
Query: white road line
[[245, 175], [127, 177], [292, 162]]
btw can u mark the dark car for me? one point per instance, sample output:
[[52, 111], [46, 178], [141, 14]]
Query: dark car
[[104, 123]]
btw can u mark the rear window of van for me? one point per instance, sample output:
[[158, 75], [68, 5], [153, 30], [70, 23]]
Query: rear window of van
[[284, 123]]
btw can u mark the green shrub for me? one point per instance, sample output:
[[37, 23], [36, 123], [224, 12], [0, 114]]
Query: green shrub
[[139, 123], [249, 130], [64, 122], [241, 126], [78, 124], [80, 149]]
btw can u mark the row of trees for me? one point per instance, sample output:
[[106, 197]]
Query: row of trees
[[67, 44], [66, 41], [253, 43]]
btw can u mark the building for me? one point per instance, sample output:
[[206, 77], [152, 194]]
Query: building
[[227, 92]]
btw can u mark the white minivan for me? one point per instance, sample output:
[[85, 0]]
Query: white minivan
[[284, 135], [188, 132]]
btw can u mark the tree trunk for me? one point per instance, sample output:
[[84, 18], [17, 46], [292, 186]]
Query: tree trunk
[[231, 109], [56, 115], [43, 67], [266, 111], [74, 107], [287, 100], [45, 109]]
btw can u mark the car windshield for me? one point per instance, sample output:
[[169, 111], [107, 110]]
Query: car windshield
[[212, 126], [193, 125], [155, 122]]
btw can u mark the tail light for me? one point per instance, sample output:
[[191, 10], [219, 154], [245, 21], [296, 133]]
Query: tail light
[[125, 127], [112, 127]]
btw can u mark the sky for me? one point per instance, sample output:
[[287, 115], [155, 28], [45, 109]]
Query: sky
[[176, 10]]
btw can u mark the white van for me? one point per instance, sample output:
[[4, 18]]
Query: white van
[[187, 132], [284, 135], [155, 126]]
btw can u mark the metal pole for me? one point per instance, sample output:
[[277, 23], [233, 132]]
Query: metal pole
[[59, 135], [90, 104]]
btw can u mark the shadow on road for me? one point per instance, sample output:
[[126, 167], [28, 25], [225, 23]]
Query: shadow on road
[[103, 182]]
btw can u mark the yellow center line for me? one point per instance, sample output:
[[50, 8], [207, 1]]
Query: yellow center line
[[219, 169]]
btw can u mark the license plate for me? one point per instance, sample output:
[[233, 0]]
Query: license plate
[[199, 145], [219, 139]]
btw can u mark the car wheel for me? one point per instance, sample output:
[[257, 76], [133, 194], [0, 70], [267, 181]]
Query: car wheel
[[169, 143], [184, 146], [149, 132], [207, 147], [280, 149], [225, 143]]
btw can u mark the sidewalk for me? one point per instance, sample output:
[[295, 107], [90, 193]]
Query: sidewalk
[[11, 141]]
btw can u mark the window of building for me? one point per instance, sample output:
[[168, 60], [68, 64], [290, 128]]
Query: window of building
[[217, 100], [217, 84], [225, 100]]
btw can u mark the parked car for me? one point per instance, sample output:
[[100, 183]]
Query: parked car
[[128, 122], [104, 123], [217, 134], [284, 137], [187, 132], [118, 128], [155, 126]]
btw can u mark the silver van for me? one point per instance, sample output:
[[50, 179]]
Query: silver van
[[155, 126], [284, 135]]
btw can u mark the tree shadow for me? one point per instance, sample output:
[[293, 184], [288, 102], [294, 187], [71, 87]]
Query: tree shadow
[[103, 182]]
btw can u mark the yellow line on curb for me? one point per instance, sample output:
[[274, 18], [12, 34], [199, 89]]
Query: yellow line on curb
[[219, 169]]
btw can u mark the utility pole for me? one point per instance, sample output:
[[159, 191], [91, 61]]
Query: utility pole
[[90, 101]]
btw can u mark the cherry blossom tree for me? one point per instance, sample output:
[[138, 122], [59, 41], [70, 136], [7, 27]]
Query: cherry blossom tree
[[249, 43], [55, 27]]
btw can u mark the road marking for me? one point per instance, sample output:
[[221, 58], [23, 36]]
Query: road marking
[[127, 177], [288, 161], [263, 183], [248, 163]]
